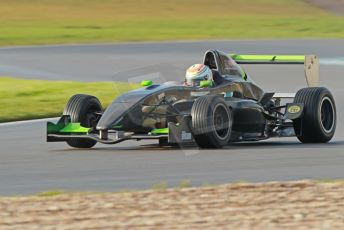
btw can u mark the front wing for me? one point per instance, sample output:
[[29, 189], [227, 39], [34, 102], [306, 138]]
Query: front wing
[[65, 130]]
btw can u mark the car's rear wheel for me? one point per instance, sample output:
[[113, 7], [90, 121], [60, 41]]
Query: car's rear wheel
[[318, 123], [211, 122], [83, 109]]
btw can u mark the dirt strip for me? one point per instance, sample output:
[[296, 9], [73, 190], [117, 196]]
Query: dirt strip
[[293, 205], [335, 6]]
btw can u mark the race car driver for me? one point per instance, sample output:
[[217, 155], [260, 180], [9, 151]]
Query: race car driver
[[202, 76]]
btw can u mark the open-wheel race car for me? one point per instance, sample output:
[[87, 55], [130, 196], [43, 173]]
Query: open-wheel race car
[[209, 115]]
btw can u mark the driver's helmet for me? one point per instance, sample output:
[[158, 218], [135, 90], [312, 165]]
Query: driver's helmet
[[197, 73]]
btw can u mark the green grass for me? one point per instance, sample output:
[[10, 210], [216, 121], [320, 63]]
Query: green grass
[[52, 193], [71, 21], [30, 99], [331, 181], [163, 185], [185, 184]]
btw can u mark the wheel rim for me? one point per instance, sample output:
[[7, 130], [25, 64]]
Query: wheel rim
[[91, 120], [327, 115], [91, 117], [221, 121]]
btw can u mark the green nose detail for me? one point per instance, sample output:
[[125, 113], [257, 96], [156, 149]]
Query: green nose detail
[[146, 83]]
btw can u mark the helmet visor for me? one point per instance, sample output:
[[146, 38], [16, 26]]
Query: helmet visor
[[194, 82]]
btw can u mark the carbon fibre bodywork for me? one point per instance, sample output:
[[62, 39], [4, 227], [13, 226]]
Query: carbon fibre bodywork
[[164, 111], [129, 106]]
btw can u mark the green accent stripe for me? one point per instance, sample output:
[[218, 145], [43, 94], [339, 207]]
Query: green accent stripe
[[159, 131], [69, 128], [74, 128], [268, 58]]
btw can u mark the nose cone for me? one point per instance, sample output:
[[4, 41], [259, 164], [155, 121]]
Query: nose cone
[[112, 115]]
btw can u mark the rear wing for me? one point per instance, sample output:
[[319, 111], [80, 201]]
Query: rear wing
[[310, 62]]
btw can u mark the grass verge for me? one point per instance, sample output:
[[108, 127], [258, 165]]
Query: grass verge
[[71, 21], [31, 99], [51, 193]]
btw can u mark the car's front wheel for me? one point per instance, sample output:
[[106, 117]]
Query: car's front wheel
[[83, 109], [211, 122]]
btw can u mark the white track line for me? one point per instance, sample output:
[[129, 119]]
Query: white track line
[[27, 122], [332, 61]]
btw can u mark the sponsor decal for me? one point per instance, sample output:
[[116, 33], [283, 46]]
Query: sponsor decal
[[294, 109], [186, 136]]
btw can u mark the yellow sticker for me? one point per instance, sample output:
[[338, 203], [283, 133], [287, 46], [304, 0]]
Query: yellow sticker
[[294, 109]]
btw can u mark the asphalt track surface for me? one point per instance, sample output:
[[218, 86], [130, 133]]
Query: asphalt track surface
[[29, 165]]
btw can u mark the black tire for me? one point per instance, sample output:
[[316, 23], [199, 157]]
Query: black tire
[[318, 123], [82, 109], [211, 122]]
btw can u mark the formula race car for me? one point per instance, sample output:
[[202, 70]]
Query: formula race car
[[211, 116]]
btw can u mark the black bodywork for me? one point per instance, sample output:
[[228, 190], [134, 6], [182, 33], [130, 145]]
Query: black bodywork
[[164, 111]]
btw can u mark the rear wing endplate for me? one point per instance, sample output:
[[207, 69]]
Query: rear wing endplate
[[310, 62]]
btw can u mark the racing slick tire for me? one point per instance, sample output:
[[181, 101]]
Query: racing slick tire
[[318, 123], [211, 122], [82, 108]]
